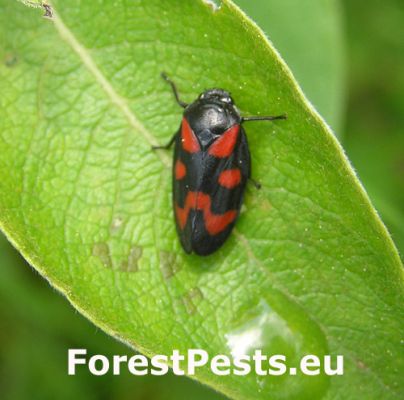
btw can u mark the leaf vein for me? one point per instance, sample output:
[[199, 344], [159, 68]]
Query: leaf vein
[[105, 85]]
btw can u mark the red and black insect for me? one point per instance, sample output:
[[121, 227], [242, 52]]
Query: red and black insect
[[210, 170]]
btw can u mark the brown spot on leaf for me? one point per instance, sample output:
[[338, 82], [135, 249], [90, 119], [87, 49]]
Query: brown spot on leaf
[[131, 264], [101, 250], [168, 264], [192, 299], [10, 60], [265, 205], [361, 364]]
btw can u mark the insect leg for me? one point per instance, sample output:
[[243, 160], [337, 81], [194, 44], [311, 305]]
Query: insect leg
[[166, 146], [255, 183], [264, 118], [174, 89]]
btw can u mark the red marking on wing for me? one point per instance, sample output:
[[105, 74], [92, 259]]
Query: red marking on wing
[[182, 213], [218, 223], [189, 141], [224, 146], [230, 178], [180, 170], [214, 223]]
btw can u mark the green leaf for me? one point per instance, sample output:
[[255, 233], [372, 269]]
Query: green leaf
[[310, 268], [34, 314], [309, 35]]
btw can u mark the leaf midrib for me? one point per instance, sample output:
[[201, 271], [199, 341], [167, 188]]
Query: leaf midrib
[[105, 85]]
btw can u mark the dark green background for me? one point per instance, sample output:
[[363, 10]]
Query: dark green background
[[38, 325]]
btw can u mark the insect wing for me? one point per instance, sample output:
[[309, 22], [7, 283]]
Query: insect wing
[[208, 187], [188, 159], [224, 181]]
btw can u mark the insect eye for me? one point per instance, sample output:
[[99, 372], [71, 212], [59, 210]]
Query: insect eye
[[226, 99]]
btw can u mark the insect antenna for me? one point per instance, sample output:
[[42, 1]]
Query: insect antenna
[[264, 118], [174, 89]]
